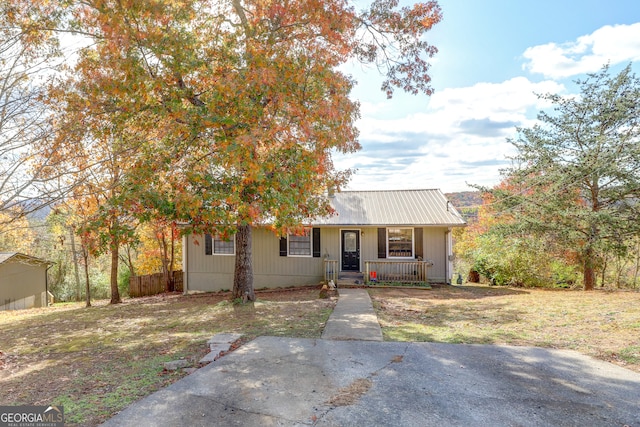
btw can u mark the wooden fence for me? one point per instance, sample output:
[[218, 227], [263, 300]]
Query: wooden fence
[[153, 284]]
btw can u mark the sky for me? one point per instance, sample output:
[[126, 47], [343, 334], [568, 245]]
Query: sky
[[494, 57]]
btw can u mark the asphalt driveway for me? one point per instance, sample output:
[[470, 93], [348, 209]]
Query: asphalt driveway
[[294, 382]]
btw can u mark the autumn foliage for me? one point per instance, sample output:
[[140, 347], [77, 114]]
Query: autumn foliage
[[223, 115]]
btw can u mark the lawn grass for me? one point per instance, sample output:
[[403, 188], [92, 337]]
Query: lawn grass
[[96, 361], [602, 324]]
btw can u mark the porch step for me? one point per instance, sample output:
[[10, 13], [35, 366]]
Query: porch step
[[350, 278]]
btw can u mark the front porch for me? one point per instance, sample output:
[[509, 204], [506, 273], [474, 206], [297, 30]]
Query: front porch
[[379, 272]]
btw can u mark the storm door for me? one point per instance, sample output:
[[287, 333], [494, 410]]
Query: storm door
[[350, 250]]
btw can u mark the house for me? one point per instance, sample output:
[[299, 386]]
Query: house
[[400, 235], [23, 281]]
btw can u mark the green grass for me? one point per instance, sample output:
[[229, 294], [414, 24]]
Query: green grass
[[631, 354]]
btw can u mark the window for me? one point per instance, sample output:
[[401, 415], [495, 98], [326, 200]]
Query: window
[[300, 245], [219, 246], [307, 244], [400, 242], [224, 247]]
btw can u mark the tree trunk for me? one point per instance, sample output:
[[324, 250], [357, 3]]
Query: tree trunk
[[637, 264], [165, 260], [115, 293], [85, 255], [75, 263], [589, 274], [243, 275], [172, 256], [126, 259], [603, 277]]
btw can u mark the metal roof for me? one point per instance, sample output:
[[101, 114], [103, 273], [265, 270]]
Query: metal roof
[[396, 207]]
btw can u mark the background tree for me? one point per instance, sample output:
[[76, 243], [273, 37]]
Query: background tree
[[16, 235], [99, 213], [159, 250], [575, 177], [494, 247], [29, 55]]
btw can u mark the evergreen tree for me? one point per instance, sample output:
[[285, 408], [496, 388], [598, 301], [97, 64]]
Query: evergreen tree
[[576, 177]]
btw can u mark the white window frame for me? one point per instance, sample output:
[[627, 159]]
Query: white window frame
[[413, 243], [232, 240], [309, 231]]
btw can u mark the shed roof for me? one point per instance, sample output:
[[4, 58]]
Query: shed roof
[[25, 259], [392, 207]]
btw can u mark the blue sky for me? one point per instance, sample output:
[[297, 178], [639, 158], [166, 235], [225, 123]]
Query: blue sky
[[494, 55]]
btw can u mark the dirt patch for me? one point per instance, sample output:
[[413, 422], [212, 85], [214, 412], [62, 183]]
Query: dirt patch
[[352, 393]]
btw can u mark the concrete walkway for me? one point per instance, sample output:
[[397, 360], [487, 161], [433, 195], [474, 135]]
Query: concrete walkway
[[348, 379], [353, 318]]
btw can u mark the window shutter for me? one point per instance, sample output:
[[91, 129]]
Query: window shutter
[[208, 244], [283, 246], [382, 242], [417, 235], [316, 242]]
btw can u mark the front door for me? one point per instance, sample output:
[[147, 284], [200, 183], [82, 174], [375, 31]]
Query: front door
[[350, 250]]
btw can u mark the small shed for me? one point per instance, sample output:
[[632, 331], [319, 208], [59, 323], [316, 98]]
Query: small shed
[[23, 281]]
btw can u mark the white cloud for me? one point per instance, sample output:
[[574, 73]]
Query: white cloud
[[460, 138], [609, 44]]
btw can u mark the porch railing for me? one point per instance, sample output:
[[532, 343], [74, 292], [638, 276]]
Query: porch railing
[[396, 271], [331, 270]]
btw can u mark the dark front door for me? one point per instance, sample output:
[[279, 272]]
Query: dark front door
[[350, 250]]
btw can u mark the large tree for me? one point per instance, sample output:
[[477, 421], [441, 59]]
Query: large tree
[[230, 109], [576, 175]]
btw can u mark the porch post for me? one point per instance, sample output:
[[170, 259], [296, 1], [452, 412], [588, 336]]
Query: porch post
[[449, 249], [185, 264]]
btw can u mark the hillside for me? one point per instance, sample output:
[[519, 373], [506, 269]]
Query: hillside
[[467, 203]]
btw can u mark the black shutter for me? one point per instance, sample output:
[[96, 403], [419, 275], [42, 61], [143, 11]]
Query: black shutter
[[382, 242], [208, 244], [316, 242], [417, 234], [283, 246]]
